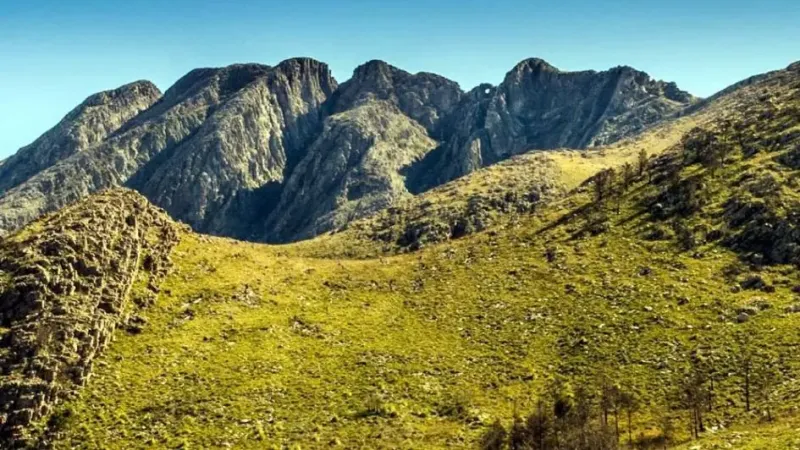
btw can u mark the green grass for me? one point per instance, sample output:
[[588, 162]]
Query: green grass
[[255, 346]]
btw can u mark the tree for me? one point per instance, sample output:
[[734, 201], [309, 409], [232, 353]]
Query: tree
[[766, 379], [694, 396], [629, 403], [642, 162], [745, 365], [665, 425], [628, 176], [604, 184], [495, 437], [539, 427], [609, 403]]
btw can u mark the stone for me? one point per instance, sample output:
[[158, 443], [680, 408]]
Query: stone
[[742, 317]]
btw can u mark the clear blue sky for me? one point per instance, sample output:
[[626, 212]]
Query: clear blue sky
[[54, 53]]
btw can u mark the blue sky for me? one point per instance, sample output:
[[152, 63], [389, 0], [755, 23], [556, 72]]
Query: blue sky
[[54, 53]]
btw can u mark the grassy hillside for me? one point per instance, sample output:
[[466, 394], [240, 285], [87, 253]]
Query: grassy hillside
[[517, 186], [682, 277]]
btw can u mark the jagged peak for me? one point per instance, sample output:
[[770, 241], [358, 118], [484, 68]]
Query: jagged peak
[[204, 75], [534, 64], [140, 87], [303, 64], [376, 67]]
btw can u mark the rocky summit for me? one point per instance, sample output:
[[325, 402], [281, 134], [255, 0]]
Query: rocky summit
[[282, 153]]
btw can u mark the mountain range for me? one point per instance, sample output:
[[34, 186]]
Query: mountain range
[[481, 286], [283, 153]]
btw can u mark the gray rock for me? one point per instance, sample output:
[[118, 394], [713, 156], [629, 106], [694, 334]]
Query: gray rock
[[353, 169], [90, 123], [540, 107], [742, 317], [281, 153]]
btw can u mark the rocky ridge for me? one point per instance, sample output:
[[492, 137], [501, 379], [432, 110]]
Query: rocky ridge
[[90, 123], [65, 285], [540, 107]]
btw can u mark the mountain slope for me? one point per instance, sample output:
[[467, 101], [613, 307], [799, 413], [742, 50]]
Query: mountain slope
[[651, 285], [218, 149], [90, 123], [65, 284], [352, 170]]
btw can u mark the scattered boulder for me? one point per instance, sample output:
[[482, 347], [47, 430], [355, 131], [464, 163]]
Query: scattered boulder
[[754, 282], [742, 317], [792, 309]]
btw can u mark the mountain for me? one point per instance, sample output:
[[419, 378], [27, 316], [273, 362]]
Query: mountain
[[540, 107], [214, 137], [611, 298], [90, 123], [284, 153]]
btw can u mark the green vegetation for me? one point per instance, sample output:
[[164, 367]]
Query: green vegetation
[[654, 308]]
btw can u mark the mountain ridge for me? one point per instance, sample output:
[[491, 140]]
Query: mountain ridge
[[217, 149]]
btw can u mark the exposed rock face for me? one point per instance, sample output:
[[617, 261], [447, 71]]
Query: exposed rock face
[[65, 285], [352, 170], [88, 124], [539, 107], [425, 97], [211, 179], [197, 142], [282, 153]]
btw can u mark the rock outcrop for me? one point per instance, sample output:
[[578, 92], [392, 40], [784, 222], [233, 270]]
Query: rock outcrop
[[65, 285], [90, 123], [212, 180], [352, 170], [540, 107], [424, 97]]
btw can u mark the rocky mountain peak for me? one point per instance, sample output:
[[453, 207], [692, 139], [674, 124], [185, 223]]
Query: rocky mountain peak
[[534, 65], [95, 119], [303, 66], [376, 68], [123, 94], [231, 78], [425, 97]]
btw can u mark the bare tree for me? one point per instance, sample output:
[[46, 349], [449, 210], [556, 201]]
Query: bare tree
[[642, 162], [604, 184], [628, 176]]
